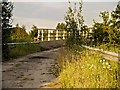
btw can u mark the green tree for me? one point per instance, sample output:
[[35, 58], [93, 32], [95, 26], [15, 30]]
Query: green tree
[[115, 24], [18, 34], [6, 18], [34, 31], [74, 22], [61, 26], [109, 30]]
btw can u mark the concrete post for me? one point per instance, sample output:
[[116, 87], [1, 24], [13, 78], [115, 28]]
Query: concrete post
[[42, 36], [63, 34], [56, 34], [48, 35], [38, 33]]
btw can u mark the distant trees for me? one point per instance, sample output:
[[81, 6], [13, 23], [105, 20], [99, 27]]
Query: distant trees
[[19, 34], [6, 24], [61, 26]]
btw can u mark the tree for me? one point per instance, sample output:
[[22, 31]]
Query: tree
[[109, 30], [6, 18], [74, 22], [61, 26], [34, 31], [18, 34], [115, 24]]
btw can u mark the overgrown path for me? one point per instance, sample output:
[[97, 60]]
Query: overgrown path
[[30, 71]]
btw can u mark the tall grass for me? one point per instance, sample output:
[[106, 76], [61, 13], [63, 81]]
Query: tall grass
[[109, 47], [23, 49], [86, 69]]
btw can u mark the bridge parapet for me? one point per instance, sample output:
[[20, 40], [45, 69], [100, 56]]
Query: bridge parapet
[[51, 34]]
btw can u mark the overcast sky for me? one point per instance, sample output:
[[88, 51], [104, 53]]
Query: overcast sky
[[48, 14]]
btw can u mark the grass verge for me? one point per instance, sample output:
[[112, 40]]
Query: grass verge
[[80, 68], [109, 47], [16, 51]]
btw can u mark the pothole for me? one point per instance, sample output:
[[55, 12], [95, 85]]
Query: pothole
[[39, 57]]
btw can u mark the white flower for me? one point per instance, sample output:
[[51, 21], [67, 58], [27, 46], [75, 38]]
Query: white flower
[[108, 66], [104, 60], [100, 60], [107, 63]]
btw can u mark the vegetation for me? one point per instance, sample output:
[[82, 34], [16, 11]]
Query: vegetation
[[81, 68], [61, 26], [34, 32], [73, 20], [19, 34], [105, 35], [24, 49], [109, 47], [6, 23], [86, 69]]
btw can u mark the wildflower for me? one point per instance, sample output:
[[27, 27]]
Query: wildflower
[[104, 60], [100, 60], [108, 66], [107, 63]]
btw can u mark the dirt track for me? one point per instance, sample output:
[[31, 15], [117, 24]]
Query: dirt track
[[30, 71]]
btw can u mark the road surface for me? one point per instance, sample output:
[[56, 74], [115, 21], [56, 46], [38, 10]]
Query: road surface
[[30, 71]]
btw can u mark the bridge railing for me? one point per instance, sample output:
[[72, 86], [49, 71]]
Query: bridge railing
[[51, 34]]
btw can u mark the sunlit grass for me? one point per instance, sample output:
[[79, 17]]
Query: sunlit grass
[[86, 69], [109, 47]]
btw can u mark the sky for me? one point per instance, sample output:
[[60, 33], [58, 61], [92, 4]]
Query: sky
[[48, 14]]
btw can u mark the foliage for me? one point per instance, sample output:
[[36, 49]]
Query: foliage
[[86, 69], [34, 31], [109, 47], [115, 24], [109, 30], [116, 16], [74, 22], [6, 18], [61, 26], [19, 34]]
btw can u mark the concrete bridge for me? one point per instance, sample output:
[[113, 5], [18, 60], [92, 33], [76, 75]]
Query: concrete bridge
[[50, 34]]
